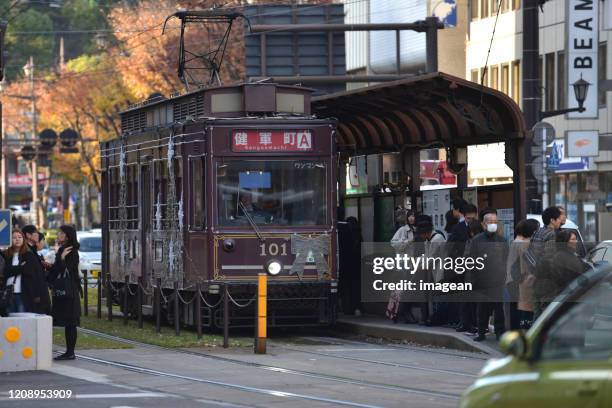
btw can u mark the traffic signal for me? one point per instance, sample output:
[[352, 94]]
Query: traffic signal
[[69, 139], [48, 139], [28, 153]]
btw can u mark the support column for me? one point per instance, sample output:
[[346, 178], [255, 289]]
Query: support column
[[411, 161], [531, 96]]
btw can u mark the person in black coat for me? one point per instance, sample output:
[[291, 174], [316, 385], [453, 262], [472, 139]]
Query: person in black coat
[[66, 310], [23, 271], [457, 241], [557, 270]]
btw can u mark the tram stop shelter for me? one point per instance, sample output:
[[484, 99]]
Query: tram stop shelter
[[433, 110]]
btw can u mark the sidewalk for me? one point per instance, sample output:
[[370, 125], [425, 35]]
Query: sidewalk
[[376, 326]]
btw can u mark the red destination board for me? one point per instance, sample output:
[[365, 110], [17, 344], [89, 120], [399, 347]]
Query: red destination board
[[271, 140]]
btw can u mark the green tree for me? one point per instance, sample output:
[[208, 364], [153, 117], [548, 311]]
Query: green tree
[[20, 47]]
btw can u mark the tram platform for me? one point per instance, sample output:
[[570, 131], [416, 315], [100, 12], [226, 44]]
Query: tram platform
[[443, 337]]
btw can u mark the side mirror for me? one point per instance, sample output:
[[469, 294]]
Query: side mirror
[[513, 343]]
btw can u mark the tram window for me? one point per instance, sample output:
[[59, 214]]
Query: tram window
[[158, 250], [272, 192], [197, 194]]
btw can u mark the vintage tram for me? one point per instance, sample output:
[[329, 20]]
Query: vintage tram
[[204, 191]]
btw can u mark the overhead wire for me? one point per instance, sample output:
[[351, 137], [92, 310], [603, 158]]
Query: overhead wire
[[486, 68], [123, 50]]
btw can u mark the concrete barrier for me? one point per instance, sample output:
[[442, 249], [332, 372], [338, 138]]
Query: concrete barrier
[[26, 342]]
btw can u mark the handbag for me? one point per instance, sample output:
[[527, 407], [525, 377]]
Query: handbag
[[6, 297], [62, 286]]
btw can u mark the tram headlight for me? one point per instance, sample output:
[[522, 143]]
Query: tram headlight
[[273, 267]]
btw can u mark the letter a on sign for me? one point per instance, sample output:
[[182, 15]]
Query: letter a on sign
[[304, 141]]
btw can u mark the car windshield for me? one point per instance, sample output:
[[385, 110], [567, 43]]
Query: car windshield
[[584, 332], [90, 244], [272, 192]]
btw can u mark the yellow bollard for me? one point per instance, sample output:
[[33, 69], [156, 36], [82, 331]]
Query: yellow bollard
[[262, 297]]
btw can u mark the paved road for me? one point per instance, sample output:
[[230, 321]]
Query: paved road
[[317, 372]]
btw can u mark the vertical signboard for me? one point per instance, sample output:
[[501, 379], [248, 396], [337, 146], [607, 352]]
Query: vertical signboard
[[582, 47]]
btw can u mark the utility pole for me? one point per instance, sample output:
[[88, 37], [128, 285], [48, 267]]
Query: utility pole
[[3, 157], [29, 71], [531, 97]]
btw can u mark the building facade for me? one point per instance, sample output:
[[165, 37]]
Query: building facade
[[583, 185]]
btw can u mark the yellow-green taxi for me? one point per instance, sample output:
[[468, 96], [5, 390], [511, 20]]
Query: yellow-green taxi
[[563, 361]]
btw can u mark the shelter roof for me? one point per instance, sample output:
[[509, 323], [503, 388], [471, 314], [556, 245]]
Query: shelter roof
[[428, 110]]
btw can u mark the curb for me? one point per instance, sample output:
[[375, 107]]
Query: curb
[[421, 336]]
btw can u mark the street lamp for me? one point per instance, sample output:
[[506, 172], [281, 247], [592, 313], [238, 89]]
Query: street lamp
[[581, 89]]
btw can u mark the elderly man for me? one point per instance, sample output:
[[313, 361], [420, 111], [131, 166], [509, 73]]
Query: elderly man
[[489, 282]]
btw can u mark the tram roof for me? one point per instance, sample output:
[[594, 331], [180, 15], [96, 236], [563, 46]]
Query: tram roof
[[428, 110]]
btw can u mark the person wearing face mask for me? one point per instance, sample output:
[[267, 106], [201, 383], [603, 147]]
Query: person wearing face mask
[[488, 282], [559, 269]]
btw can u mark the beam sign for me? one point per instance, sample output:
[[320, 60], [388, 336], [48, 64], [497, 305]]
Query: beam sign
[[5, 228], [582, 47]]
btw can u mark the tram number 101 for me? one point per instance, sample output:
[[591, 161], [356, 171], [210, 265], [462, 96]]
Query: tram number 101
[[273, 249]]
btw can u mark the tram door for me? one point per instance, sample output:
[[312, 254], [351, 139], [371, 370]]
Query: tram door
[[145, 220]]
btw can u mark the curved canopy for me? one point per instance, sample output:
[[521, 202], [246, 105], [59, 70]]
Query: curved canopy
[[423, 111]]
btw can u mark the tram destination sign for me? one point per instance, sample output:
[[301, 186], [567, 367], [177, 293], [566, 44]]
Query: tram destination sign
[[249, 140]]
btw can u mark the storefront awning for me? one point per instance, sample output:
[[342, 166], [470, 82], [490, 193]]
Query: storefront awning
[[432, 110]]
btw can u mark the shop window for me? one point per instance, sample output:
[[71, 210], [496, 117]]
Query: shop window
[[601, 97], [541, 75], [516, 81], [495, 77], [505, 78], [561, 81], [549, 81], [474, 9], [474, 76], [484, 8]]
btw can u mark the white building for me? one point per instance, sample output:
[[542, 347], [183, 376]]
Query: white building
[[582, 185]]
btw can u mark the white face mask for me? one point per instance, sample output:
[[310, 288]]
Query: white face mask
[[492, 228]]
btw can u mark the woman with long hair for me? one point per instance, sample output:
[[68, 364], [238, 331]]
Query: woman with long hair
[[24, 273], [66, 309]]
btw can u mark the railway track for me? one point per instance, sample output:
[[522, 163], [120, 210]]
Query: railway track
[[326, 377], [237, 387], [456, 354]]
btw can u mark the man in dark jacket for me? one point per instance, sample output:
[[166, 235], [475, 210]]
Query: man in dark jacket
[[489, 282], [459, 236]]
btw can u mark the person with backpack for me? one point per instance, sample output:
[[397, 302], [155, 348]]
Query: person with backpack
[[542, 246]]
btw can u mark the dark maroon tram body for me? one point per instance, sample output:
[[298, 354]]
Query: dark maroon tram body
[[216, 186]]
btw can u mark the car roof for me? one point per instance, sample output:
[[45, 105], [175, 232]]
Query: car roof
[[569, 224], [88, 234]]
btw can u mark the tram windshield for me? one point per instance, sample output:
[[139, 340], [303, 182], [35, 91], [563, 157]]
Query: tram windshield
[[272, 192]]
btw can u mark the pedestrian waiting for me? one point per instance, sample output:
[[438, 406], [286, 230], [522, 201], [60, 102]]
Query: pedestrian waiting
[[489, 281], [519, 279], [66, 288], [557, 270], [24, 274]]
